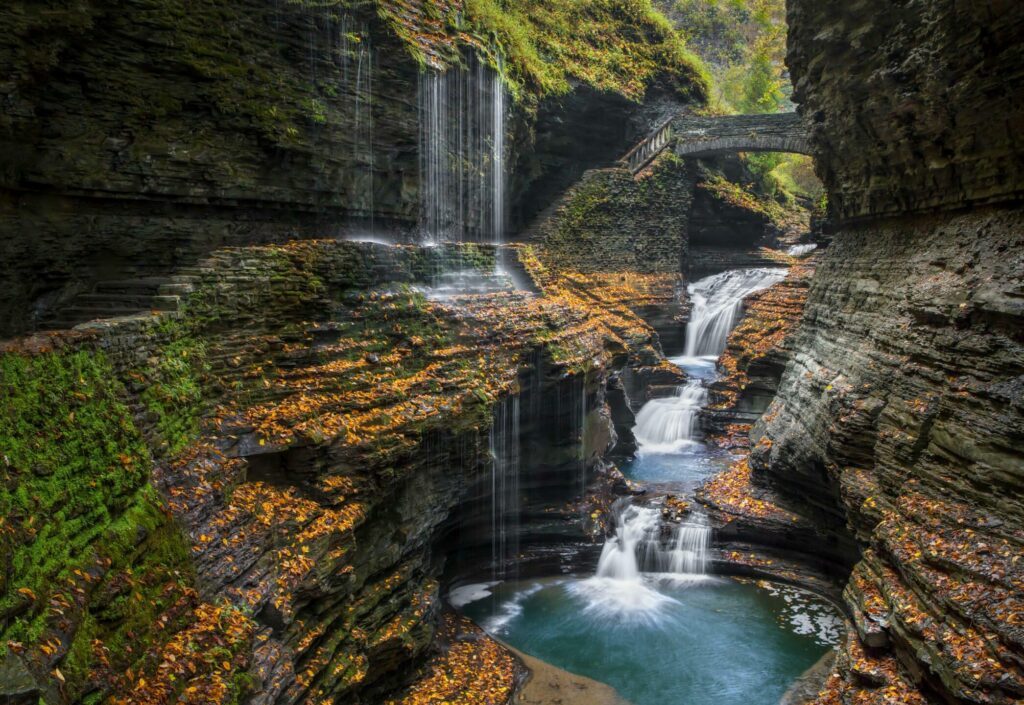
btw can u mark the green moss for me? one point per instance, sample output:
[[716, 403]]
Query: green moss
[[72, 463], [150, 567], [79, 516], [174, 391], [746, 198], [543, 47], [610, 44]]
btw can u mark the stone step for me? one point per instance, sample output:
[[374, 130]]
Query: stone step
[[80, 314], [176, 288], [111, 300], [143, 285], [166, 303]]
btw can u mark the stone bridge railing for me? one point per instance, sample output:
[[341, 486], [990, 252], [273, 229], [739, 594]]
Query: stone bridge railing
[[654, 144], [708, 136]]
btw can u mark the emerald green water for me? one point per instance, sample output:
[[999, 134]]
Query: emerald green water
[[710, 641]]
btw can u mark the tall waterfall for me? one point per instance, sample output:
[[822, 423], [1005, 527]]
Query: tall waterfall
[[505, 509], [643, 544], [462, 154], [717, 303]]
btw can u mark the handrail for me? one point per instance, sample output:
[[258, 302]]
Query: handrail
[[647, 149]]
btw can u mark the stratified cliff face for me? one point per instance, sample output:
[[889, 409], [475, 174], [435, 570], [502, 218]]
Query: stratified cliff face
[[252, 498], [902, 412], [914, 104], [141, 134], [905, 403]]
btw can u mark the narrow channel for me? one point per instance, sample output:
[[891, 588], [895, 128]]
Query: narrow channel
[[651, 621]]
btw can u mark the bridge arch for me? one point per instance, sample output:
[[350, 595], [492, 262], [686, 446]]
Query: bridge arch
[[694, 137], [709, 136]]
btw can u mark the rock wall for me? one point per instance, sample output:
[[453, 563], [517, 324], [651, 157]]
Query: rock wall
[[913, 105], [900, 414], [273, 504], [140, 135], [259, 520], [612, 220]]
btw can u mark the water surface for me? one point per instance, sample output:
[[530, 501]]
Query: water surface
[[666, 641]]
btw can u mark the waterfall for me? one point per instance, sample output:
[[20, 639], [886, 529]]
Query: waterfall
[[497, 159], [357, 66], [668, 424], [717, 303], [801, 250], [689, 554], [640, 546], [462, 154], [505, 450]]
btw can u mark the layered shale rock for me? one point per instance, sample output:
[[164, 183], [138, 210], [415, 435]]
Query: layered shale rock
[[257, 492], [140, 136], [902, 415], [912, 105], [899, 417], [756, 354], [613, 220]]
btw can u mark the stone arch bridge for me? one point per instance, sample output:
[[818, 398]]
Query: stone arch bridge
[[691, 136]]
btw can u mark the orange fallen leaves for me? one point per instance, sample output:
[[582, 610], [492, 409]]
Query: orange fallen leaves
[[472, 669], [732, 492]]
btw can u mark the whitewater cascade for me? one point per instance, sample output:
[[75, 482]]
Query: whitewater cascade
[[462, 154], [801, 250], [668, 424], [717, 303], [505, 509], [640, 545]]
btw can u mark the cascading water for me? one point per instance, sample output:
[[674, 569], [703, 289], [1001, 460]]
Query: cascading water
[[689, 554], [505, 451], [640, 546], [801, 250], [357, 67], [668, 427], [668, 424], [462, 154], [717, 304]]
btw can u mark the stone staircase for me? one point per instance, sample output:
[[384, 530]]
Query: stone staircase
[[122, 297]]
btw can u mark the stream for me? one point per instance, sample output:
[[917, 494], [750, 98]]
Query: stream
[[651, 622]]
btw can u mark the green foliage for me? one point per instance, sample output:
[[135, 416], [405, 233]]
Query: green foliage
[[174, 391], [613, 45], [543, 47], [744, 43], [75, 491], [745, 198]]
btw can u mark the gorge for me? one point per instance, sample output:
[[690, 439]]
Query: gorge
[[470, 351]]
